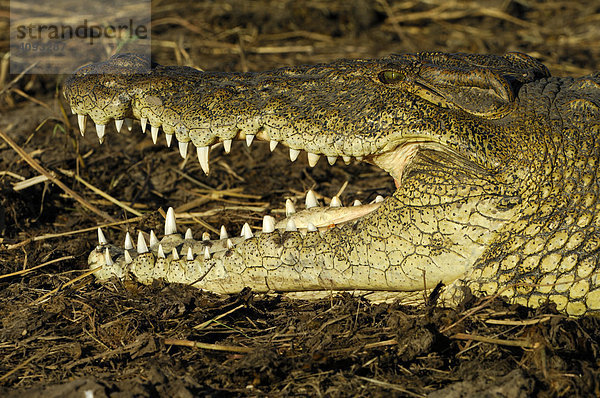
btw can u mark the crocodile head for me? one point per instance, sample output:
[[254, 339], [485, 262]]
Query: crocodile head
[[476, 146]]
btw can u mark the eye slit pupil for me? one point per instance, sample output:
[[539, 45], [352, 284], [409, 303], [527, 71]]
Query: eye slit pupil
[[390, 76]]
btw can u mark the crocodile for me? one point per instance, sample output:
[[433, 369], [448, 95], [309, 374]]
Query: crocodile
[[495, 164]]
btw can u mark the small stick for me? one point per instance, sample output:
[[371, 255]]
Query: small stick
[[27, 270], [208, 346], [491, 340]]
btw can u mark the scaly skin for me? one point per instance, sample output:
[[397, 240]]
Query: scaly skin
[[495, 163]]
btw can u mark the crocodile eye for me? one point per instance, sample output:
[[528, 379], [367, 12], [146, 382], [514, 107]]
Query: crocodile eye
[[391, 76]]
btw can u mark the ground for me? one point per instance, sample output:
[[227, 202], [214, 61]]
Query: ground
[[62, 334]]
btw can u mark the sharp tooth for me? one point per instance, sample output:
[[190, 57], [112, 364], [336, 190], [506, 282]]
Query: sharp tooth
[[227, 145], [81, 121], [141, 244], [190, 255], [100, 132], [268, 224], [379, 199], [188, 234], [101, 238], [128, 241], [229, 244], [119, 124], [183, 146], [360, 158], [161, 252], [331, 160], [294, 153], [154, 131], [153, 238], [310, 227], [170, 223], [246, 231], [169, 139], [206, 253], [289, 208], [202, 152], [357, 203], [205, 236], [249, 139], [273, 145], [311, 199], [175, 254], [335, 202], [129, 123], [73, 111], [143, 122], [291, 225], [128, 259], [107, 259], [313, 158], [223, 234], [347, 159]]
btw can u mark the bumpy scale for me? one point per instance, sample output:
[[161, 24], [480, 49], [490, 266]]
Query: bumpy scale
[[495, 164]]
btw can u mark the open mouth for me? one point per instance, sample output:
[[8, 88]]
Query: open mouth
[[313, 216]]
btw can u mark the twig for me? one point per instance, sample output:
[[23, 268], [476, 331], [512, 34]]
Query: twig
[[491, 340], [37, 167], [208, 346], [25, 271], [98, 191]]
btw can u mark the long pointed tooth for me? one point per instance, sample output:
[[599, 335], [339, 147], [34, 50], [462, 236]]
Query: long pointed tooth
[[129, 123], [170, 223], [273, 145], [223, 234], [119, 124], [313, 158], [310, 227], [169, 139], [360, 158], [335, 202], [206, 253], [311, 199], [249, 139], [141, 244], [153, 238], [154, 132], [202, 152], [81, 119], [128, 259], [128, 241], [357, 203], [347, 159], [246, 231], [143, 122], [289, 207], [188, 234], [107, 258], [294, 153], [73, 111], [331, 160], [379, 199], [268, 224], [291, 225], [227, 145], [161, 252], [101, 238], [205, 236], [100, 131], [229, 244], [183, 147], [190, 255], [175, 254]]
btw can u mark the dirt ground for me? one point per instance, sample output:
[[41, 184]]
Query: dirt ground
[[61, 334]]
